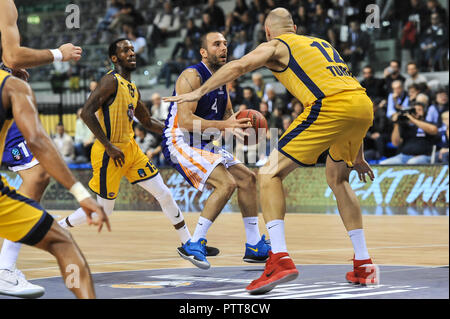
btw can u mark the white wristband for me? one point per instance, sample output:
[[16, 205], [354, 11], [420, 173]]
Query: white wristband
[[79, 192], [57, 55]]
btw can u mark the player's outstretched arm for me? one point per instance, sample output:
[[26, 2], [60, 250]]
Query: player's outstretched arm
[[229, 72], [19, 96], [17, 57], [102, 95]]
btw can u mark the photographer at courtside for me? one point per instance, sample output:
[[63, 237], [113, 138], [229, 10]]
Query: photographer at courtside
[[413, 136]]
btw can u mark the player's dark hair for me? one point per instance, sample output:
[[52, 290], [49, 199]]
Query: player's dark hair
[[203, 42], [113, 47]]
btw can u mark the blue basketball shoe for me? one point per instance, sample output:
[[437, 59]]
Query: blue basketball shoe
[[195, 252], [257, 253]]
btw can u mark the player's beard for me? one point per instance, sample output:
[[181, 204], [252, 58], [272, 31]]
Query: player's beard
[[214, 62]]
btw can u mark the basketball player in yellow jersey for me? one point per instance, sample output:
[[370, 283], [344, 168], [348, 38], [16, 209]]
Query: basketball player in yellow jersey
[[337, 116], [109, 114], [22, 219]]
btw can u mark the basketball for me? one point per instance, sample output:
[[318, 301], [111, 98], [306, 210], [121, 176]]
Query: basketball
[[258, 122]]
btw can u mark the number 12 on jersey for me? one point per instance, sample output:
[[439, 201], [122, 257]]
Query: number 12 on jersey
[[336, 70]]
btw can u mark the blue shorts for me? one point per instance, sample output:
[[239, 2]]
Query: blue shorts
[[16, 155]]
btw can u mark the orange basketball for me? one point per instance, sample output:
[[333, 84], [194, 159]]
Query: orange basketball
[[259, 126]]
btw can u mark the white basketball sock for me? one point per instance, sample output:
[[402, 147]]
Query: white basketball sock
[[184, 234], [10, 252], [359, 244], [277, 238], [201, 229], [252, 230]]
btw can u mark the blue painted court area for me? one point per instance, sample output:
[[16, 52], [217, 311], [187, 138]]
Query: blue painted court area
[[314, 282]]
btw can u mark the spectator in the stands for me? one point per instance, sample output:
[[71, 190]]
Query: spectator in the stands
[[415, 20], [321, 25], [287, 120], [413, 91], [216, 13], [149, 143], [258, 84], [159, 109], [357, 46], [208, 25], [165, 23], [114, 7], [272, 98], [250, 99], [374, 87], [431, 113], [193, 31], [236, 93], [397, 100], [434, 7], [442, 154], [140, 47], [414, 77], [301, 20], [378, 134], [434, 45], [264, 110], [391, 74], [239, 9], [276, 121], [83, 140], [128, 15], [297, 109], [257, 7], [184, 54], [441, 100], [64, 144], [259, 32], [246, 24], [241, 46], [413, 136]]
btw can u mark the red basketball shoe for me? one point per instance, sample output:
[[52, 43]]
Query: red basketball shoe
[[364, 273], [279, 269]]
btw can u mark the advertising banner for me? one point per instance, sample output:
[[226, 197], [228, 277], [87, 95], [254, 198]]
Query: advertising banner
[[395, 190]]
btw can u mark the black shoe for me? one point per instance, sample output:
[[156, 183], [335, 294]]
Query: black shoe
[[212, 251]]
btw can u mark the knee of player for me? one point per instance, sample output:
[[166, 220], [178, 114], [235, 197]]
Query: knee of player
[[249, 181], [57, 240], [334, 180], [229, 185]]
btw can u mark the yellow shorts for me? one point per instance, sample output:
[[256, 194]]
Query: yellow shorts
[[337, 123], [106, 177], [21, 219]]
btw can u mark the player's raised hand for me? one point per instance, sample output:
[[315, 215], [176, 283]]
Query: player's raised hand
[[187, 97], [116, 154], [90, 207], [363, 168], [70, 52]]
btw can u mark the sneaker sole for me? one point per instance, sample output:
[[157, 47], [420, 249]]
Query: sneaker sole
[[33, 294], [255, 261], [266, 288], [198, 263]]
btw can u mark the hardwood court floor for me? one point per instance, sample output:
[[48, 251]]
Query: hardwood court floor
[[146, 240]]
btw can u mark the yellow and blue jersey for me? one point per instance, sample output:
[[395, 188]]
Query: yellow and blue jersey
[[315, 69], [116, 118]]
